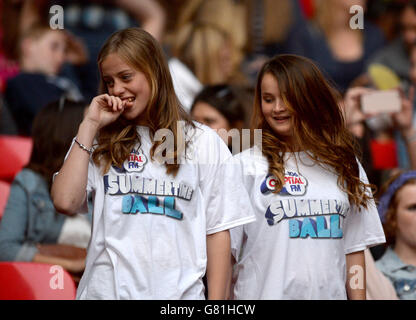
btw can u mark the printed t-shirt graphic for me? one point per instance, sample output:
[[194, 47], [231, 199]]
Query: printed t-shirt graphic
[[135, 162], [317, 224], [144, 195]]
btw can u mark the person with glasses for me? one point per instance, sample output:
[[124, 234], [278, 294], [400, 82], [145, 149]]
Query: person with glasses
[[39, 82]]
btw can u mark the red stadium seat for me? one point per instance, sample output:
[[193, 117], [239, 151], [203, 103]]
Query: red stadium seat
[[35, 281], [15, 154], [4, 195]]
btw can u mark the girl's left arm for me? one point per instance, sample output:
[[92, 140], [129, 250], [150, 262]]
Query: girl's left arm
[[356, 277], [218, 266]]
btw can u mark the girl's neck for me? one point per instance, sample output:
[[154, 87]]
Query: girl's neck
[[406, 253], [141, 121]]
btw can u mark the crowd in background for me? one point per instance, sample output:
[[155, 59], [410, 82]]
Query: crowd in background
[[215, 49]]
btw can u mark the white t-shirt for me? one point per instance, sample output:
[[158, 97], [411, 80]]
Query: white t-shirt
[[149, 228], [296, 249]]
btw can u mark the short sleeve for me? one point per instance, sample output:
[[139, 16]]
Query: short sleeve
[[362, 229], [249, 161], [237, 241], [91, 183], [226, 201]]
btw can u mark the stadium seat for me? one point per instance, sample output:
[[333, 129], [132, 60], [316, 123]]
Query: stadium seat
[[4, 196], [35, 281], [15, 154]]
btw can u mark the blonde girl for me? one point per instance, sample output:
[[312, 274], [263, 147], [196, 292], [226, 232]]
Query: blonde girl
[[162, 209]]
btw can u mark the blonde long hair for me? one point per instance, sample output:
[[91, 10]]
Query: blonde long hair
[[204, 29], [318, 124], [142, 52]]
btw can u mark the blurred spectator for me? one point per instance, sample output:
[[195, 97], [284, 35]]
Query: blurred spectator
[[172, 9], [386, 15], [403, 157], [227, 15], [8, 67], [258, 30], [396, 55], [219, 107], [341, 52], [271, 28], [41, 56], [31, 229], [186, 84], [367, 127], [397, 208], [206, 47], [17, 16]]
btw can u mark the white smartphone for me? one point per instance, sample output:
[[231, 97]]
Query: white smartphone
[[381, 101]]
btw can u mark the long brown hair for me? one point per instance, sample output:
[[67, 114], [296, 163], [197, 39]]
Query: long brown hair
[[317, 121], [142, 52], [390, 220]]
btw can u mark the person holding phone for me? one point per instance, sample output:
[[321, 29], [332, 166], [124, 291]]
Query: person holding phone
[[362, 125]]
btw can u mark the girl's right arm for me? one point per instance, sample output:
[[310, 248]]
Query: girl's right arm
[[68, 189]]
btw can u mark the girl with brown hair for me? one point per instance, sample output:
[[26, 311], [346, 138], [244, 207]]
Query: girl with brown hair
[[164, 195], [315, 210], [397, 207]]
